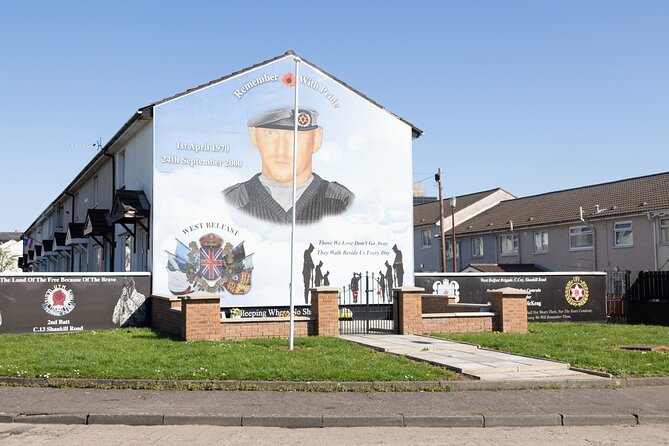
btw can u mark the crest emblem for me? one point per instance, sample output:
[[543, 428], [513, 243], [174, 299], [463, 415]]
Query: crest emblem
[[211, 265], [576, 292], [58, 301]]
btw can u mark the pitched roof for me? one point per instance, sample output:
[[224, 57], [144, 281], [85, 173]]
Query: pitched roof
[[428, 213], [6, 236], [129, 205], [416, 131], [618, 198]]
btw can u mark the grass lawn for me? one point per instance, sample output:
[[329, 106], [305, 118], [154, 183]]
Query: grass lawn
[[141, 353], [590, 346]]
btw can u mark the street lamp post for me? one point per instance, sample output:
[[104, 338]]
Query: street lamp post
[[454, 247], [442, 240]]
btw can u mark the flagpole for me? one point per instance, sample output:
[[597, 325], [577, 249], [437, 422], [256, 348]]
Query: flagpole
[[291, 335]]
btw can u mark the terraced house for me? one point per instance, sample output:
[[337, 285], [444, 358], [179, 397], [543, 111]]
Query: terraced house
[[616, 226]]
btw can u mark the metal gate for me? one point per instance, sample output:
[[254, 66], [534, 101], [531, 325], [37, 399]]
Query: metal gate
[[617, 284], [366, 306]]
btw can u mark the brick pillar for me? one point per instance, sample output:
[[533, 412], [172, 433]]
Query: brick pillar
[[201, 317], [510, 306], [410, 309], [325, 310]]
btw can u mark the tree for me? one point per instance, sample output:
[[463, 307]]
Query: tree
[[7, 260]]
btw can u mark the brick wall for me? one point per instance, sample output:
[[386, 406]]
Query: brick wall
[[265, 328], [325, 310], [410, 309], [462, 324], [198, 318], [166, 315], [510, 304], [201, 319], [437, 304]]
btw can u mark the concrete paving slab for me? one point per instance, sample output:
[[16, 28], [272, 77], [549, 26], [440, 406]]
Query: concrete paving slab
[[599, 420], [58, 418], [364, 421], [523, 420], [203, 420], [127, 419], [443, 421], [283, 421], [469, 359]]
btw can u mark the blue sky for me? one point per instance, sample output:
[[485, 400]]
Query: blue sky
[[531, 96]]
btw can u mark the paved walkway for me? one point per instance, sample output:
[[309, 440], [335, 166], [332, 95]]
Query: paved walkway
[[469, 359], [548, 407]]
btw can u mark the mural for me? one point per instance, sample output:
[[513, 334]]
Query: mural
[[222, 198]]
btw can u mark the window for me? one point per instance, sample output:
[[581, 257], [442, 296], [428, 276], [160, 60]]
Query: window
[[508, 244], [426, 237], [541, 242], [477, 247], [121, 169], [449, 249], [622, 234], [99, 259], [664, 230], [59, 217], [580, 237], [127, 253]]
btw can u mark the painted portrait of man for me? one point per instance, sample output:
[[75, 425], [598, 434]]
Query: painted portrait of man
[[268, 194]]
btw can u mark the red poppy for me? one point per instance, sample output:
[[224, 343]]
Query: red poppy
[[355, 294], [288, 80], [58, 297]]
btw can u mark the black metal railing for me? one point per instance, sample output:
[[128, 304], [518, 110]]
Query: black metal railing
[[366, 306]]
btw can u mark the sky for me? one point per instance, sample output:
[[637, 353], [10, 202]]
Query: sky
[[530, 96]]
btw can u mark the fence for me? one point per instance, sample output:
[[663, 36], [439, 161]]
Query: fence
[[617, 305], [649, 298], [366, 306]]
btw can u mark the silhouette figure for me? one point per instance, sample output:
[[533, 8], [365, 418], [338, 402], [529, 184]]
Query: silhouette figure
[[389, 277], [382, 283], [307, 269], [355, 286], [326, 279], [319, 274], [399, 266]]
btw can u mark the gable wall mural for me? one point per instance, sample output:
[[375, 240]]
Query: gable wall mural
[[223, 189]]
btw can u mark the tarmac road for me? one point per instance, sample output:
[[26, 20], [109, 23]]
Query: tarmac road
[[70, 435]]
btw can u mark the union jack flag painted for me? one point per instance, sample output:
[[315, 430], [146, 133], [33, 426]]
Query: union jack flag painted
[[211, 262]]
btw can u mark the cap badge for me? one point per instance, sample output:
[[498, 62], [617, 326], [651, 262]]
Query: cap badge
[[303, 119]]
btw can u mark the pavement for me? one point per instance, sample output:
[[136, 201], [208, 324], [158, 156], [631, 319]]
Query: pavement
[[512, 391], [472, 360], [512, 408]]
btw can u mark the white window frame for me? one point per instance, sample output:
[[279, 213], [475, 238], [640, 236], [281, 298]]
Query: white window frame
[[620, 227], [514, 244], [449, 249], [127, 252], [99, 258], [575, 231], [477, 247], [426, 235], [663, 224], [543, 248]]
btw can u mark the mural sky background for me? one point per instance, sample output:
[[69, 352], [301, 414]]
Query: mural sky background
[[528, 96]]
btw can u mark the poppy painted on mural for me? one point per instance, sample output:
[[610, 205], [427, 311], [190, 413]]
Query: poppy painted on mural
[[288, 79]]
